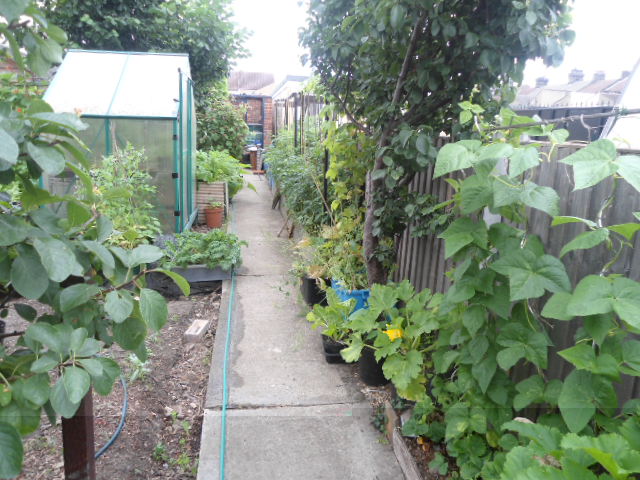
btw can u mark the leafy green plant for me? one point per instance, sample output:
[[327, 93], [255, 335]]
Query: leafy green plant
[[299, 179], [93, 297], [124, 194], [215, 248], [215, 204], [215, 166], [220, 123], [333, 319]]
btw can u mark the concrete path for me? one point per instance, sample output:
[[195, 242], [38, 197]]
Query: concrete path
[[291, 416]]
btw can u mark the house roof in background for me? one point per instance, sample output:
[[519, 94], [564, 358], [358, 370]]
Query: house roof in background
[[111, 84], [625, 131], [250, 82]]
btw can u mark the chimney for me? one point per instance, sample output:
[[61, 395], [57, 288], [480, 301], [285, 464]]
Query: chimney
[[598, 76], [542, 82], [576, 76], [625, 73]]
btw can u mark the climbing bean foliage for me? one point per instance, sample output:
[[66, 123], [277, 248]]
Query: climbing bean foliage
[[397, 70], [93, 296], [455, 354]]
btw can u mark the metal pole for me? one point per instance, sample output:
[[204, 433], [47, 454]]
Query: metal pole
[[78, 442], [295, 121]]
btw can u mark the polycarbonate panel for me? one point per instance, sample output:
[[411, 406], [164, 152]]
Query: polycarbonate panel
[[85, 82], [149, 86], [118, 84], [156, 138]]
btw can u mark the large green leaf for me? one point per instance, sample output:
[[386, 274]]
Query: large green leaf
[[484, 370], [54, 337], [629, 169], [523, 159], [57, 258], [463, 232], [452, 157], [9, 150], [68, 120], [60, 400], [76, 382], [28, 276], [593, 163], [530, 275], [118, 305], [576, 401], [403, 369], [11, 10], [627, 300], [610, 450], [542, 198], [179, 280], [49, 159], [585, 241], [530, 390], [12, 230], [475, 193], [130, 333], [103, 384], [101, 252], [556, 307], [144, 254], [153, 308], [11, 451], [76, 295]]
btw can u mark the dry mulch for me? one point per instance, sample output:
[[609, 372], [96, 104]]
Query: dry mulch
[[161, 438]]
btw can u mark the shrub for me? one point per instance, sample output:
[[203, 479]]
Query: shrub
[[217, 166], [124, 195], [213, 249], [221, 124]]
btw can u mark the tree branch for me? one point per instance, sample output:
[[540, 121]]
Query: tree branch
[[616, 112], [413, 42]]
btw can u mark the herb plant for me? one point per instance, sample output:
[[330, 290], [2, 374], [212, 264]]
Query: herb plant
[[215, 248]]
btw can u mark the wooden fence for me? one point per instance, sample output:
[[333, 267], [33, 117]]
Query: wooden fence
[[421, 260]]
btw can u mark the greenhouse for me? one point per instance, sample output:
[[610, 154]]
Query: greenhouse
[[145, 99]]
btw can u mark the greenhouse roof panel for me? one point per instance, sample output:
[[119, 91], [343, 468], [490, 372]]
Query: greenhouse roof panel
[[118, 84]]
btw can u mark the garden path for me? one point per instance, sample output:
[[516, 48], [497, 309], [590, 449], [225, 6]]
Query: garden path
[[291, 416]]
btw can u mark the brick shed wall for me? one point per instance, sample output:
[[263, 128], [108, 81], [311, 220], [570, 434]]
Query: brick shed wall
[[254, 114]]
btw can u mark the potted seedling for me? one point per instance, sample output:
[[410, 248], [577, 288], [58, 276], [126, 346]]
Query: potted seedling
[[310, 271], [214, 213]]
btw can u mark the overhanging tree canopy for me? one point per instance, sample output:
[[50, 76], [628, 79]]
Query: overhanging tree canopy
[[398, 69]]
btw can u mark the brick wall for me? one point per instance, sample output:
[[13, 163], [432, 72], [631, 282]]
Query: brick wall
[[268, 121], [254, 114]]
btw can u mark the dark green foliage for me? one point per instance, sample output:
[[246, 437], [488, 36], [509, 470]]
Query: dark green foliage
[[216, 248], [201, 28], [221, 124], [214, 166], [299, 178], [125, 195]]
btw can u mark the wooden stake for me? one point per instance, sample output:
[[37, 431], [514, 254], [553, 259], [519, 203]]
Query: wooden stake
[[78, 442]]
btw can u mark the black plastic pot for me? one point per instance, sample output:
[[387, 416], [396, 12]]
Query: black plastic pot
[[311, 292], [370, 370], [332, 350], [3, 327]]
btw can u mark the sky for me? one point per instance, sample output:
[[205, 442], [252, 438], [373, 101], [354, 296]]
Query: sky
[[607, 38]]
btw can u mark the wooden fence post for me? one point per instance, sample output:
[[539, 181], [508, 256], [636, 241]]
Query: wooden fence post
[[78, 442]]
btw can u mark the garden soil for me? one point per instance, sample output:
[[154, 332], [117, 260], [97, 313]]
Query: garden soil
[[161, 438]]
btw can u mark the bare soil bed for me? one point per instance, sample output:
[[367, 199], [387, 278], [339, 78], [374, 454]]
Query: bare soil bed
[[161, 437]]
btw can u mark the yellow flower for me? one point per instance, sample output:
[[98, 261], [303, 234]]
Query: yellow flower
[[393, 333]]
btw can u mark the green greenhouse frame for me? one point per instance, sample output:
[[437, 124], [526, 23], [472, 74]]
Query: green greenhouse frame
[[145, 99]]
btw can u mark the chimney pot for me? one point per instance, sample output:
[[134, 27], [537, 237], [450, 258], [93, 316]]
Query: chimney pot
[[542, 82], [598, 76], [625, 73], [576, 75]]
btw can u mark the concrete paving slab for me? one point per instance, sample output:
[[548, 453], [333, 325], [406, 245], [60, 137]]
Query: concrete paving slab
[[291, 415], [298, 443]]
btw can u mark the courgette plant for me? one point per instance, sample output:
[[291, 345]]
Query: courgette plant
[[95, 294]]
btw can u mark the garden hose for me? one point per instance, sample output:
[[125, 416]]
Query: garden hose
[[225, 365], [123, 419]]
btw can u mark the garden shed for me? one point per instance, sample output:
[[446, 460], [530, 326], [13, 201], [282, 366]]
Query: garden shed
[[145, 99]]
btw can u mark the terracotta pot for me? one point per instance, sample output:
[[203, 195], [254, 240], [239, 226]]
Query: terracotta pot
[[214, 216]]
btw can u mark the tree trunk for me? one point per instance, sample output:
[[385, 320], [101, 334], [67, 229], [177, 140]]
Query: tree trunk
[[376, 272]]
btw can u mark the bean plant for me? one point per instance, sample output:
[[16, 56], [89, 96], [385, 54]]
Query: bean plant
[[458, 359], [95, 294]]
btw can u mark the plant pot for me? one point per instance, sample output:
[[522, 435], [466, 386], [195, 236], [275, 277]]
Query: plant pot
[[200, 278], [3, 327], [214, 216], [370, 370], [311, 292], [332, 350], [361, 296]]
